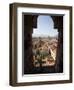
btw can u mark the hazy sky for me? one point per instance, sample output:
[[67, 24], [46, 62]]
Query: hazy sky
[[44, 27]]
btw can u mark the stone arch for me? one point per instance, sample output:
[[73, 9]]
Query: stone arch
[[30, 22]]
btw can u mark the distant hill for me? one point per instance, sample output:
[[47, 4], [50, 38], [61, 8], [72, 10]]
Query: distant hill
[[44, 35]]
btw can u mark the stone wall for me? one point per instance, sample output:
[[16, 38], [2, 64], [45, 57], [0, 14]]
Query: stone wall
[[30, 22]]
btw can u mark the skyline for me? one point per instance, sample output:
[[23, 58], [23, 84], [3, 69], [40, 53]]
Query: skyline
[[45, 27]]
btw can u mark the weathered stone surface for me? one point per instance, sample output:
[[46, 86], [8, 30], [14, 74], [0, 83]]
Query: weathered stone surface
[[30, 22]]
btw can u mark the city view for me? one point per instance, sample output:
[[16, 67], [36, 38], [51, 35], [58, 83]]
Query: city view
[[45, 42]]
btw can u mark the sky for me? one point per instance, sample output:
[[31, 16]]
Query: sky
[[45, 27]]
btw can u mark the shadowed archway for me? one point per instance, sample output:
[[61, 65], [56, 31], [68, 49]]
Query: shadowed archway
[[30, 22]]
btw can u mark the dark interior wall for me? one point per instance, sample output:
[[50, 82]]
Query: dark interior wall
[[59, 58], [28, 64], [58, 23], [30, 22]]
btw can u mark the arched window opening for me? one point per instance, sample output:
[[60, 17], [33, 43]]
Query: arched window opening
[[45, 41], [42, 44]]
